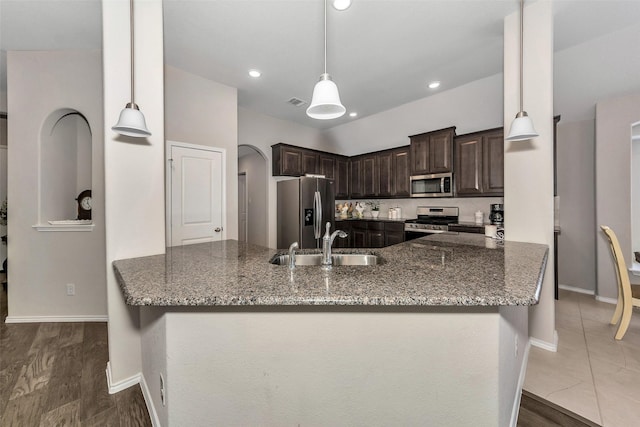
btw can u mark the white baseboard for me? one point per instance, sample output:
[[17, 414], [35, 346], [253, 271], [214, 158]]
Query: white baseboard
[[120, 385], [578, 290], [56, 319], [515, 411], [607, 300], [544, 344], [155, 421]]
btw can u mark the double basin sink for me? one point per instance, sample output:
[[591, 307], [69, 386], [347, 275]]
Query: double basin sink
[[336, 259]]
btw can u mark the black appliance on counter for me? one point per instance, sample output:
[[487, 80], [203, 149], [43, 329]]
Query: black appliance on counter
[[430, 220], [497, 214]]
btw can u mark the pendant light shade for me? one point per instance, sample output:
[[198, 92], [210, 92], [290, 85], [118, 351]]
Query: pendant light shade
[[131, 121], [522, 126], [325, 101]]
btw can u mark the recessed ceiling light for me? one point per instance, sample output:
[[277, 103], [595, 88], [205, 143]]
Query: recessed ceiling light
[[255, 73], [353, 114], [341, 4], [434, 85]]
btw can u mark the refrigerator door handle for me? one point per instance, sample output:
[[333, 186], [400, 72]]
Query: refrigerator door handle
[[319, 235], [315, 215]]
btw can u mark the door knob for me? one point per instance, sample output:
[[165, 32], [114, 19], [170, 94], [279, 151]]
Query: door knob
[[217, 229]]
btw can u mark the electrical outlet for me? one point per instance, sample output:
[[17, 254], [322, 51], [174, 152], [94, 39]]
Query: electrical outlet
[[71, 289], [162, 391]]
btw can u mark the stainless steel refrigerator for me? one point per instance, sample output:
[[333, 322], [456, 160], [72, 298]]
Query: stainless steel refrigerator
[[304, 207]]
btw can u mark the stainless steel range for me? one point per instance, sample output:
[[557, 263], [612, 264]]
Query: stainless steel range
[[430, 220]]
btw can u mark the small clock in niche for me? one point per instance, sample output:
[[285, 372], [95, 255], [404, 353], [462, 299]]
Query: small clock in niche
[[84, 204]]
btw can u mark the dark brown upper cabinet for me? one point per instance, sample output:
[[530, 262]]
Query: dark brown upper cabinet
[[370, 174], [432, 152], [479, 163], [400, 168], [286, 160], [342, 177], [356, 188]]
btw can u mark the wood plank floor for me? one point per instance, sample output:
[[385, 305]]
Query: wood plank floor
[[53, 374]]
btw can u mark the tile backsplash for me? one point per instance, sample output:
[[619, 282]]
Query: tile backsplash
[[467, 206]]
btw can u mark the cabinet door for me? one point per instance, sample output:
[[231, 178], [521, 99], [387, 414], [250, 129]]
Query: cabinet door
[[376, 238], [327, 166], [468, 165], [346, 242], [440, 147], [342, 178], [309, 162], [493, 163], [385, 174], [355, 188], [400, 169], [419, 154], [393, 237], [291, 161], [370, 176]]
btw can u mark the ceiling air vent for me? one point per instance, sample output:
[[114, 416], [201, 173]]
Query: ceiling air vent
[[296, 102]]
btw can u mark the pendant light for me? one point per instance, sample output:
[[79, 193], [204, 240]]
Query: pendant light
[[522, 126], [131, 121], [325, 101]]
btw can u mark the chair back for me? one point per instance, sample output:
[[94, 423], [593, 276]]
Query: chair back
[[624, 285]]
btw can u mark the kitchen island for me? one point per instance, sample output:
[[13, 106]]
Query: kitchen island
[[436, 334]]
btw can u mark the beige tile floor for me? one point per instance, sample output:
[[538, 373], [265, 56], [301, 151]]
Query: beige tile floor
[[592, 374]]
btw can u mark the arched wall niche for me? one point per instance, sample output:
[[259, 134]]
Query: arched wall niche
[[65, 164]]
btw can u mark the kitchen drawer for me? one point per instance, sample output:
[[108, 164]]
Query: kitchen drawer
[[375, 225], [394, 226]]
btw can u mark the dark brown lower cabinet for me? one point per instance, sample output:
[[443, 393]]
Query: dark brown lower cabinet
[[369, 234]]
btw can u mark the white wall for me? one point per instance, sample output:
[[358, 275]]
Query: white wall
[[576, 188], [471, 107], [613, 183], [528, 165], [255, 168], [203, 112], [134, 169], [372, 368], [261, 132], [43, 263]]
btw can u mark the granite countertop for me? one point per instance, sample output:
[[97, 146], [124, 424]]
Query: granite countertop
[[439, 270]]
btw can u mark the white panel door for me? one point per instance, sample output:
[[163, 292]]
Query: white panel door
[[196, 196]]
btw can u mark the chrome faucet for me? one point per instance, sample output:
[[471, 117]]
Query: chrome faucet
[[327, 242], [292, 255]]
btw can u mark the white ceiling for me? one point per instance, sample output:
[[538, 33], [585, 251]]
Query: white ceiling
[[381, 53]]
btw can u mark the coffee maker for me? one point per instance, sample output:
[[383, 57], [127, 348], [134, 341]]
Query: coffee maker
[[497, 214]]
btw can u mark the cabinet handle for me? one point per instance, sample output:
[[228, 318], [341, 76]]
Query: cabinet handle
[[218, 229]]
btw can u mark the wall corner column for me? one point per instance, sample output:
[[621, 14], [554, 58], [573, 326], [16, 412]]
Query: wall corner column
[[134, 168], [528, 165]]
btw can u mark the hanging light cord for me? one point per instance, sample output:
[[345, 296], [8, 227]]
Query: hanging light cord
[[325, 36], [521, 50], [131, 26]]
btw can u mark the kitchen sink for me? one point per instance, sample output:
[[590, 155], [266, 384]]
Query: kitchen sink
[[337, 259]]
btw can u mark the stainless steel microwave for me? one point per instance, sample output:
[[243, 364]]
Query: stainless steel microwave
[[435, 185]]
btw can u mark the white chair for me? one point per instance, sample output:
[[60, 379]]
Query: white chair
[[626, 300]]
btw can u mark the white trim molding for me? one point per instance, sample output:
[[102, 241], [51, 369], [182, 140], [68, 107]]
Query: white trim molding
[[121, 385], [544, 344], [55, 319], [151, 409], [606, 299], [515, 411], [577, 290], [65, 227]]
